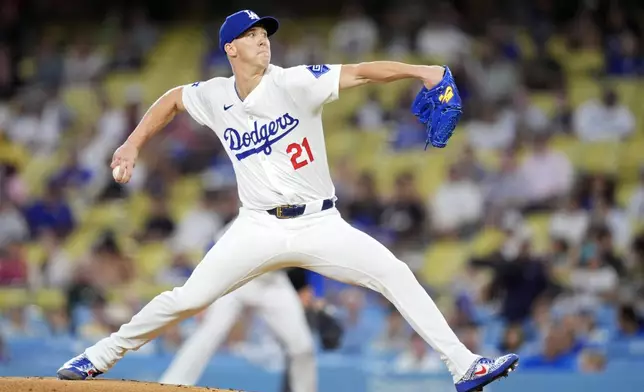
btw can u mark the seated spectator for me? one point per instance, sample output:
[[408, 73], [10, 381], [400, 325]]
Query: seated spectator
[[530, 119], [408, 133], [14, 270], [470, 166], [603, 120], [441, 37], [548, 175], [57, 268], [199, 226], [597, 189], [505, 188], [592, 361], [624, 57], [345, 180], [635, 209], [13, 226], [521, 281], [178, 272], [615, 220], [308, 49], [73, 175], [83, 63], [559, 352], [404, 216], [358, 331], [593, 278], [50, 212], [496, 77], [116, 268], [355, 34], [13, 185], [562, 116], [570, 223], [396, 334], [365, 210], [607, 251], [371, 115], [470, 335], [160, 225], [494, 129], [513, 339], [418, 358], [630, 325], [457, 206], [48, 63], [110, 131]]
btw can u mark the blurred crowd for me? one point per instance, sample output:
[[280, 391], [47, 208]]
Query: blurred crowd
[[561, 302]]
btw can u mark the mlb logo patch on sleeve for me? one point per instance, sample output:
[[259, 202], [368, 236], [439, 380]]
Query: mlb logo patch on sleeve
[[318, 70]]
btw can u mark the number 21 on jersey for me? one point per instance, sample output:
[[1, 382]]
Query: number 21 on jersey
[[295, 151]]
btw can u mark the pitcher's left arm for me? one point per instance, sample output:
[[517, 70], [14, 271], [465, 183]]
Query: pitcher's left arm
[[353, 75], [437, 105]]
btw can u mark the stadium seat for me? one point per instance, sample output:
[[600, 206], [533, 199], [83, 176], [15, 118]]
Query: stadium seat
[[13, 297], [486, 241], [600, 157], [443, 260], [49, 299], [150, 258], [539, 225]]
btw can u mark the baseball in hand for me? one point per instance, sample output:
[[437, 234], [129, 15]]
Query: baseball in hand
[[116, 173]]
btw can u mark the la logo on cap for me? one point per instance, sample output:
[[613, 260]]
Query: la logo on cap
[[251, 14]]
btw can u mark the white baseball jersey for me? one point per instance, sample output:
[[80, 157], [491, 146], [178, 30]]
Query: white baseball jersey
[[274, 137]]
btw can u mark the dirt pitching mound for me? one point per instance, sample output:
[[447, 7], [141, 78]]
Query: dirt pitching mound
[[39, 384]]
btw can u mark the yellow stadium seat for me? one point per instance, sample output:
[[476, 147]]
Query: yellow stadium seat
[[539, 225], [81, 241], [526, 44], [14, 154], [631, 158], [150, 258], [545, 101], [583, 89], [599, 157], [486, 242], [83, 101], [443, 260], [625, 192], [50, 299], [35, 254], [13, 297]]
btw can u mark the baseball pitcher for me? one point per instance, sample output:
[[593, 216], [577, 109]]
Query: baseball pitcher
[[270, 121]]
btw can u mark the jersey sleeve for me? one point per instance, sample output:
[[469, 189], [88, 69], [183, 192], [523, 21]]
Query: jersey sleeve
[[313, 85], [198, 101]]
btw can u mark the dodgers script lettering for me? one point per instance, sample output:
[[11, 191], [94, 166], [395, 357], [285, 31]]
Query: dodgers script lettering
[[261, 138]]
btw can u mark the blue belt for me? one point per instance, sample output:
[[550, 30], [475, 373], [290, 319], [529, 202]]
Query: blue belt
[[293, 211]]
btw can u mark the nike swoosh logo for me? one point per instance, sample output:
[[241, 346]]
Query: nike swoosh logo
[[227, 107], [481, 372]]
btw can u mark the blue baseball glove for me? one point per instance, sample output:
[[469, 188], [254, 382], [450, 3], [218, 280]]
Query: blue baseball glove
[[440, 109]]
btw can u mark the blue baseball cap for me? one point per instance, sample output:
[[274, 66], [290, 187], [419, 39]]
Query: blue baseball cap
[[240, 21]]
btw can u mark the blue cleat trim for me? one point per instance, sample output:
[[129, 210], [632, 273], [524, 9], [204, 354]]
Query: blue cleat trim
[[498, 368], [78, 368]]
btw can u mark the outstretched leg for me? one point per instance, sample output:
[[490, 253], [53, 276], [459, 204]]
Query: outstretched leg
[[333, 248], [227, 266]]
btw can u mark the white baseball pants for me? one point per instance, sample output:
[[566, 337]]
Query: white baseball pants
[[277, 302], [257, 243]]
